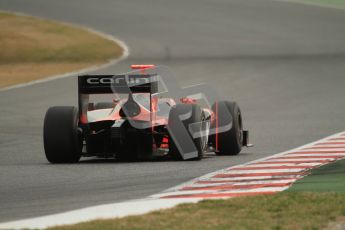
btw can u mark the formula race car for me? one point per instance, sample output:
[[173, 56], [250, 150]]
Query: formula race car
[[132, 116]]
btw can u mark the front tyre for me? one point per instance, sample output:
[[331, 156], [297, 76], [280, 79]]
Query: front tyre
[[230, 128], [62, 141]]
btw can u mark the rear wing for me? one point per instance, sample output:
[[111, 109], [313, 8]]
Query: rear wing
[[105, 84], [113, 84]]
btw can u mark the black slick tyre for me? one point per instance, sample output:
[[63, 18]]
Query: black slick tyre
[[62, 141], [230, 129]]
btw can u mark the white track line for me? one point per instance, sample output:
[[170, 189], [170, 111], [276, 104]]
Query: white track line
[[298, 159], [315, 149], [340, 142], [223, 191], [313, 4], [78, 72], [318, 155], [254, 171], [284, 164], [250, 178], [246, 183]]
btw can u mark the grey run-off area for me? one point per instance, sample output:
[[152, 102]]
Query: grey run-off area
[[283, 62]]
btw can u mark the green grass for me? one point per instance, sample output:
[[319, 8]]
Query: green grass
[[328, 178], [288, 210], [28, 39], [33, 48]]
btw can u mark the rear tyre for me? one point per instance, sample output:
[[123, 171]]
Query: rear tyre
[[62, 141], [174, 118], [229, 140]]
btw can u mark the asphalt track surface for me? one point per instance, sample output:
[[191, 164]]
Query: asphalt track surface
[[283, 62]]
